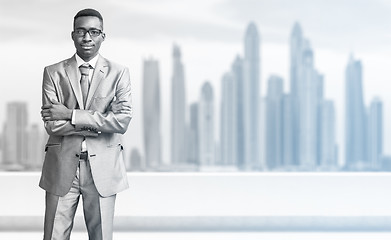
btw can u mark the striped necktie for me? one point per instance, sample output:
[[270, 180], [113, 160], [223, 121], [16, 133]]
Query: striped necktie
[[84, 81]]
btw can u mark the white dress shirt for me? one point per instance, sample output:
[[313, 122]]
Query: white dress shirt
[[92, 63]]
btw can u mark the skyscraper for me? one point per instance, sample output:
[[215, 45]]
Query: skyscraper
[[287, 131], [308, 109], [274, 122], [251, 98], [355, 146], [15, 136], [375, 133], [178, 114], [135, 161], [206, 126], [228, 123], [296, 55], [237, 74], [151, 114], [36, 141], [193, 149], [328, 148], [306, 96]]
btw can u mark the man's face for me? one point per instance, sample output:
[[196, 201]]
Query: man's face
[[87, 46]]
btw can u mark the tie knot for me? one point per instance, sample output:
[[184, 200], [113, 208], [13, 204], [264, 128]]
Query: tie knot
[[85, 69]]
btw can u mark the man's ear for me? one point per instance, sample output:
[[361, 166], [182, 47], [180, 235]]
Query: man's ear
[[72, 35], [103, 36]]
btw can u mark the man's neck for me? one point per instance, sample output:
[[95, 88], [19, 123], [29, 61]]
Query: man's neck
[[87, 59]]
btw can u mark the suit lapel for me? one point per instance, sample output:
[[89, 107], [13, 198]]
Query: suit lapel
[[99, 73], [71, 68]]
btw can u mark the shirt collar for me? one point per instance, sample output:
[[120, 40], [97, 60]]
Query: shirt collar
[[92, 62]]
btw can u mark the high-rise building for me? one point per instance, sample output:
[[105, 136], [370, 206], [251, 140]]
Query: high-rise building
[[151, 114], [206, 126], [328, 147], [178, 107], [274, 122], [287, 132], [228, 125], [193, 149], [296, 56], [237, 74], [319, 120], [355, 130], [15, 136], [251, 98], [306, 96], [135, 161], [36, 141], [375, 133], [308, 109]]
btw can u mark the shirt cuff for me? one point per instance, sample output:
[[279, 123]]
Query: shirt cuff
[[73, 117]]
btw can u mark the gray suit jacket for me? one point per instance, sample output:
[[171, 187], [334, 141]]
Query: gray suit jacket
[[101, 127]]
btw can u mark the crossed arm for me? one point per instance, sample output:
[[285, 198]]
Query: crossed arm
[[58, 117]]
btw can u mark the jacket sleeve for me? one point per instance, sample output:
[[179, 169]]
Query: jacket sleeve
[[108, 122], [58, 127]]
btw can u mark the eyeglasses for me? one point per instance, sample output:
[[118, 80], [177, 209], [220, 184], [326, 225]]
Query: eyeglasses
[[81, 32]]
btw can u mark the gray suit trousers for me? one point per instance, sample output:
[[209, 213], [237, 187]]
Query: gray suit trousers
[[98, 211]]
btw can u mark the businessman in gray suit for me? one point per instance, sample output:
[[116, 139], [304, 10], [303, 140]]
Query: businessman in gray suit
[[86, 107]]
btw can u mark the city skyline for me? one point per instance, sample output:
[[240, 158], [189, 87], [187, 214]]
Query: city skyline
[[316, 114]]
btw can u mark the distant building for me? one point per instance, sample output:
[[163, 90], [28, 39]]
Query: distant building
[[251, 98], [206, 126], [193, 141], [37, 138], [386, 163], [237, 74], [228, 124], [355, 127], [15, 136], [135, 161], [328, 148], [306, 97], [274, 123], [287, 132], [375, 134], [151, 114], [178, 110], [296, 60]]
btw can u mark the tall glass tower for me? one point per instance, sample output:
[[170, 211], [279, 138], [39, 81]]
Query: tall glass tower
[[296, 55], [15, 136], [251, 98], [206, 126], [151, 114], [375, 133], [178, 105], [228, 124], [237, 74], [355, 146], [274, 122]]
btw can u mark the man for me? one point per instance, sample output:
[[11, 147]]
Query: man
[[86, 107]]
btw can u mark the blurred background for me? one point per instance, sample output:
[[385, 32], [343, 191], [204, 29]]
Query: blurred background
[[217, 85], [271, 119]]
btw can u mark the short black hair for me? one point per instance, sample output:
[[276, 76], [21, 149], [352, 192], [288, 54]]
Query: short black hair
[[88, 12]]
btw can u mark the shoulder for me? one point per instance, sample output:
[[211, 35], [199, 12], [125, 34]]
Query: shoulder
[[114, 65], [59, 65]]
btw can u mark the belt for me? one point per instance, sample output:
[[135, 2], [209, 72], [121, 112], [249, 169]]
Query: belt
[[83, 156]]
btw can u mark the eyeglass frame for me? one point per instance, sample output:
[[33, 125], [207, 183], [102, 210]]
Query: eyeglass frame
[[85, 31]]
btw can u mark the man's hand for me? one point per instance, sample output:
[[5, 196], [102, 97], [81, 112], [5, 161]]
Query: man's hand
[[55, 111], [118, 106]]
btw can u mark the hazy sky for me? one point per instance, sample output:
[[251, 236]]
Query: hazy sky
[[210, 33]]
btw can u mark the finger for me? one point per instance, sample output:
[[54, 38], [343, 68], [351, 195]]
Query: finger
[[46, 106], [55, 102]]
